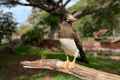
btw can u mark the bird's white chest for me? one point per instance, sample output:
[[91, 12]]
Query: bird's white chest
[[69, 44]]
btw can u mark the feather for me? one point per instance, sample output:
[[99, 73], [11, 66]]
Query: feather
[[69, 46]]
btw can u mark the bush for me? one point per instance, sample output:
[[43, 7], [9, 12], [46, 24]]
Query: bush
[[34, 36]]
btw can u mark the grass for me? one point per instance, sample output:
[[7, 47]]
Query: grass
[[27, 50], [10, 70], [104, 64], [99, 63], [51, 74]]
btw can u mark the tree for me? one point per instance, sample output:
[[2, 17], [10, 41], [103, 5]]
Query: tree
[[7, 25], [107, 18], [57, 8], [22, 29], [34, 35], [39, 27]]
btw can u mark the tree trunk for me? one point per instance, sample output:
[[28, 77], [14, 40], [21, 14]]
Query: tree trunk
[[79, 71]]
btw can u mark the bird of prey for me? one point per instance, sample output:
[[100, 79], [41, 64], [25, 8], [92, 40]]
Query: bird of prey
[[66, 39]]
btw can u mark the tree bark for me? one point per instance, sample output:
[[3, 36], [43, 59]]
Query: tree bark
[[78, 70]]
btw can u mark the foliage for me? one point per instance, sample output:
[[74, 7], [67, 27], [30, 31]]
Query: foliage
[[34, 36], [39, 28], [7, 25], [44, 19], [107, 18], [41, 17], [22, 29], [52, 20], [37, 16], [43, 24]]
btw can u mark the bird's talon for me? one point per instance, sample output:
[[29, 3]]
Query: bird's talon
[[71, 65], [68, 65]]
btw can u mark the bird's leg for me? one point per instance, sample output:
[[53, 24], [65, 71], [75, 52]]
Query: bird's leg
[[72, 64], [74, 59], [67, 59], [66, 63]]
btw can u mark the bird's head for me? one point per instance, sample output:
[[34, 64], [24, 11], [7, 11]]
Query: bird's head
[[70, 18]]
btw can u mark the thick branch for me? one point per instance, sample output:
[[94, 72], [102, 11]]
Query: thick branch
[[78, 70], [66, 2], [26, 4], [60, 2]]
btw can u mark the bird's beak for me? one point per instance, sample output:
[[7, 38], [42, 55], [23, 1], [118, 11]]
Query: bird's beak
[[71, 18]]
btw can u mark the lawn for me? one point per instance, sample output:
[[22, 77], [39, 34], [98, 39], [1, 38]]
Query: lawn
[[45, 74], [10, 68], [103, 63]]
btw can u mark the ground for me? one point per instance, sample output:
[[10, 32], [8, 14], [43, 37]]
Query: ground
[[10, 68]]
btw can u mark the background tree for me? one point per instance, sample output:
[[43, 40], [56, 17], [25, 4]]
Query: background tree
[[22, 29], [39, 28], [106, 17], [7, 25]]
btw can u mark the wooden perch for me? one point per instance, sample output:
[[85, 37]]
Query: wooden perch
[[79, 71]]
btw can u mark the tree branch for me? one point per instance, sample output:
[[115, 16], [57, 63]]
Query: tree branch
[[88, 11], [79, 71], [66, 3], [85, 12], [26, 4]]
